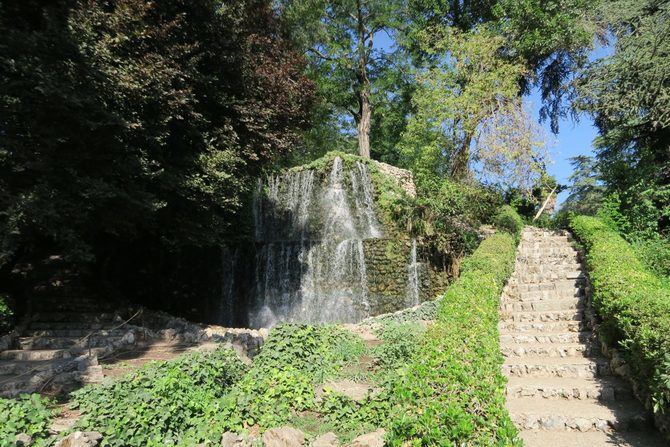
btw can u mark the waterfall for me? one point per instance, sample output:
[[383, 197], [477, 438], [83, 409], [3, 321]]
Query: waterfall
[[310, 260], [413, 278], [226, 310]]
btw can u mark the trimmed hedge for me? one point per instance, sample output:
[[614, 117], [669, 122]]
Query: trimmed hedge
[[453, 391], [509, 220], [634, 305]]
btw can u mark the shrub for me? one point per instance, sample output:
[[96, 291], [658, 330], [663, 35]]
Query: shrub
[[281, 381], [633, 303], [29, 414], [6, 315], [509, 220], [452, 393], [163, 403]]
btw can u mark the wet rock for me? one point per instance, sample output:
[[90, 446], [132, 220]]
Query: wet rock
[[374, 439], [80, 439], [23, 440], [283, 437], [326, 440]]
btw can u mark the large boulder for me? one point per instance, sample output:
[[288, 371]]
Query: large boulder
[[283, 437], [80, 439], [326, 440], [374, 439]]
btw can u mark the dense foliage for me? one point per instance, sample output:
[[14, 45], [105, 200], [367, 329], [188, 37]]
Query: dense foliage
[[6, 314], [509, 220], [134, 126], [634, 306], [453, 391], [628, 95], [28, 414], [164, 403]]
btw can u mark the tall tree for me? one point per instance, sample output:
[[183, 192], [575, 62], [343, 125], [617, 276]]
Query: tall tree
[[340, 38], [129, 123], [628, 95], [468, 111]]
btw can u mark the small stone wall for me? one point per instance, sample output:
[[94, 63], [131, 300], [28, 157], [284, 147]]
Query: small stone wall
[[387, 263], [402, 176]]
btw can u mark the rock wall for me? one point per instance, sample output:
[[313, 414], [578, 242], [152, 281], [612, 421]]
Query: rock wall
[[388, 262]]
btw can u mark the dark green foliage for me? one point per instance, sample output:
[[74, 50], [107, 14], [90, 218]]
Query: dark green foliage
[[453, 391], [164, 403], [281, 381], [509, 220], [586, 188], [399, 343], [447, 215], [633, 303], [29, 414], [628, 95], [6, 315], [138, 125]]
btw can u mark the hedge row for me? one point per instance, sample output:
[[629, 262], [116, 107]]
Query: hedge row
[[509, 220], [634, 305], [453, 392]]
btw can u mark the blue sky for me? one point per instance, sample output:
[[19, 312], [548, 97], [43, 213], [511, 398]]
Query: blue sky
[[574, 138]]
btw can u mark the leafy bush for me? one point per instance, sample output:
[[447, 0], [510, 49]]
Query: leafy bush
[[633, 303], [166, 403], [29, 414], [6, 315], [509, 220], [452, 393], [399, 343], [281, 381]]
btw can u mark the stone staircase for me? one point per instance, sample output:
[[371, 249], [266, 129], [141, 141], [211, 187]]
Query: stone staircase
[[561, 391], [57, 345]]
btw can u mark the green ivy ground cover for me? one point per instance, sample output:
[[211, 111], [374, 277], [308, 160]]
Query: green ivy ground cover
[[28, 414], [633, 303]]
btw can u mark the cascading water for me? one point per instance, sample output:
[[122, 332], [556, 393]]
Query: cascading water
[[310, 263], [413, 278]]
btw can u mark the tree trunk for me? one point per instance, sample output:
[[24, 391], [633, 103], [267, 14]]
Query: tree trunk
[[364, 115], [461, 165], [363, 125]]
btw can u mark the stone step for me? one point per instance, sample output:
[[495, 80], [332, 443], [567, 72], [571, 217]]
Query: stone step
[[553, 275], [37, 354], [541, 295], [546, 337], [542, 316], [604, 389], [78, 333], [550, 350], [85, 317], [556, 285], [541, 438], [65, 342], [544, 305], [17, 367], [536, 414], [574, 367], [539, 326], [11, 385], [89, 326]]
